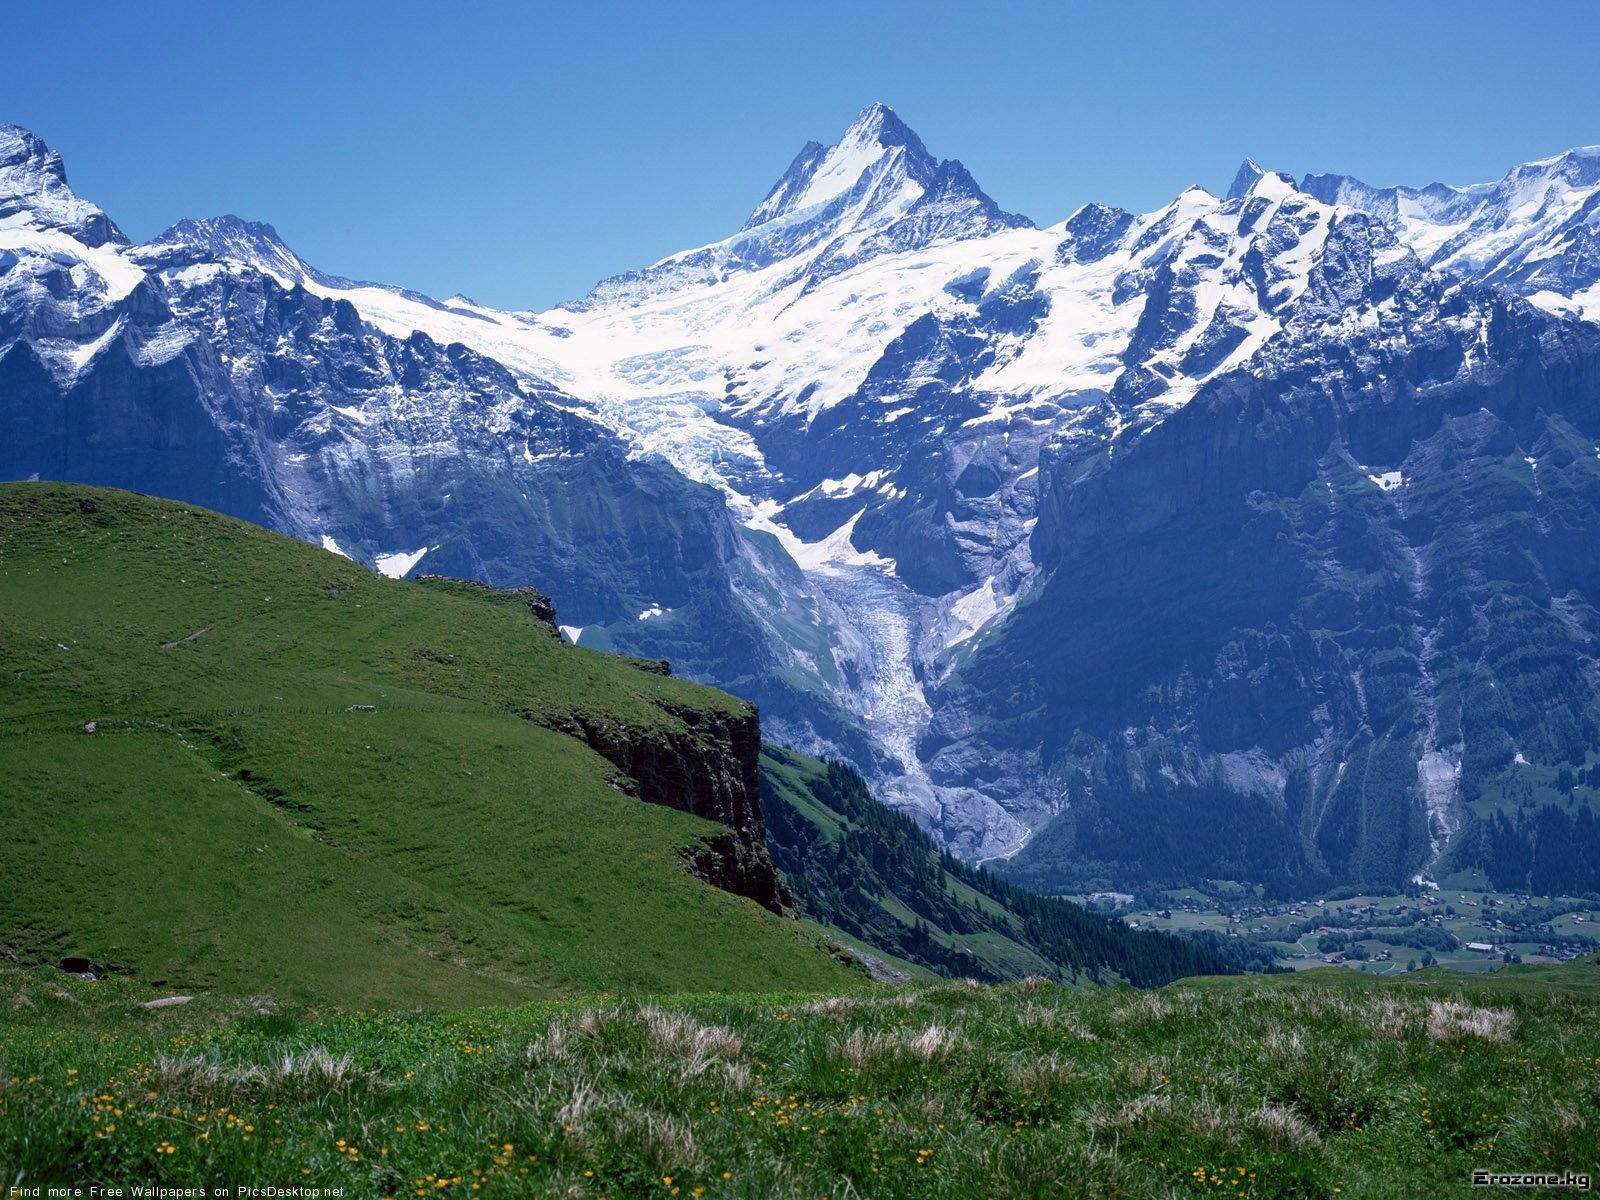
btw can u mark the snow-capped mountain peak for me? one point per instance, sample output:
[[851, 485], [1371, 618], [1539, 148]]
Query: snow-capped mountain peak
[[1534, 231], [1578, 167], [1252, 179], [876, 191], [907, 397], [820, 173], [226, 239], [34, 192], [1244, 179]]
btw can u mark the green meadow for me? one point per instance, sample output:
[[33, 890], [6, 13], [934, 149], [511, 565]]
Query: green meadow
[[1323, 1084], [308, 780]]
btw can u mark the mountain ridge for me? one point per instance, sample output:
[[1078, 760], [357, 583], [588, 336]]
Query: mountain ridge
[[889, 388]]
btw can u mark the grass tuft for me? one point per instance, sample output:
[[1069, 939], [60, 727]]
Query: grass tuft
[[1451, 1022]]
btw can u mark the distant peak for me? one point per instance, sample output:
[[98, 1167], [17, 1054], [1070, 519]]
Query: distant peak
[[1244, 179], [226, 239], [875, 191], [881, 124], [1576, 154], [820, 173], [22, 149], [1579, 166], [33, 183], [1251, 177], [226, 228]]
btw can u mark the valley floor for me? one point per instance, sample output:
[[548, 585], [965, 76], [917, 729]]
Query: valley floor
[[1323, 1084], [1459, 925]]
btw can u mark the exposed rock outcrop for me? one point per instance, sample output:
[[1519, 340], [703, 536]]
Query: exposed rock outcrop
[[710, 767]]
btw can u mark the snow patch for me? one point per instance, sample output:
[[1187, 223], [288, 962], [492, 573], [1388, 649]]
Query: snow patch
[[399, 564], [81, 356], [330, 545], [830, 554], [973, 611], [1388, 480], [105, 272], [571, 632], [841, 169]]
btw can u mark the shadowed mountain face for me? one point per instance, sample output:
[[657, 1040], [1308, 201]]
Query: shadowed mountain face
[[1242, 538], [1306, 626]]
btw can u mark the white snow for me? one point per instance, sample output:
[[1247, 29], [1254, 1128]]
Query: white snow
[[572, 632], [651, 613], [105, 271], [830, 554], [839, 489], [1508, 230], [672, 367], [973, 611], [499, 335], [329, 544], [842, 167], [81, 356], [400, 563], [657, 369], [1422, 234], [1388, 480]]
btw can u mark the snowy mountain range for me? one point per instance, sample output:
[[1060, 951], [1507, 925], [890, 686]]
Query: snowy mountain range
[[1534, 232], [972, 502]]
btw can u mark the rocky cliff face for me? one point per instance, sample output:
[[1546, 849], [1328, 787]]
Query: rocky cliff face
[[692, 750], [709, 765]]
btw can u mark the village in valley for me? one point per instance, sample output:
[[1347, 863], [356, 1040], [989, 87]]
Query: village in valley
[[1459, 923]]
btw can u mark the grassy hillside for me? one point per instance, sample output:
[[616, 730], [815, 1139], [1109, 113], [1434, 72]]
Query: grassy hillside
[[232, 761], [1326, 1085], [858, 867]]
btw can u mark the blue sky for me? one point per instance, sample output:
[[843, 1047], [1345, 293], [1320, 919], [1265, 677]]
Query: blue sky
[[518, 152]]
